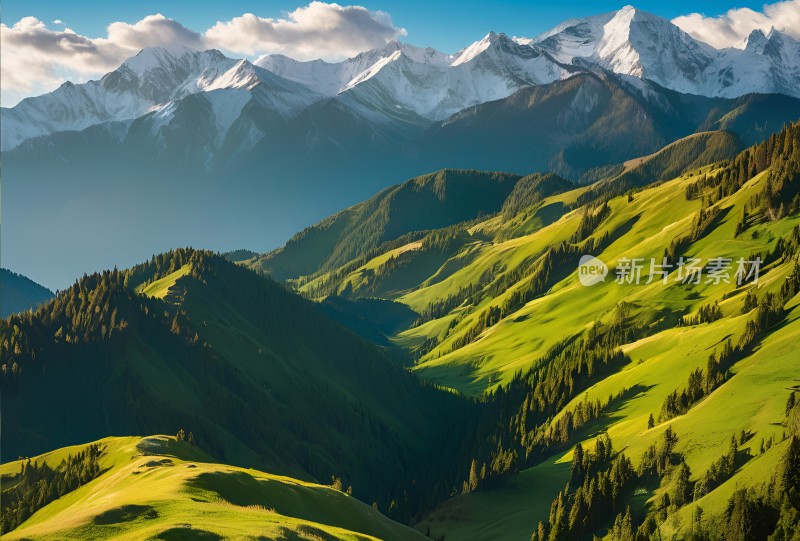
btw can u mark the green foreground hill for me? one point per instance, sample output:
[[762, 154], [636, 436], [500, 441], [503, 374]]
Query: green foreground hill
[[160, 488]]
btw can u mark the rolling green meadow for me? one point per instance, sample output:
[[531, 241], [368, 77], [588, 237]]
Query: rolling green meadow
[[428, 365], [163, 481]]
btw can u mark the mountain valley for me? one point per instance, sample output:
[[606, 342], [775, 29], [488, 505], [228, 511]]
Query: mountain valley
[[540, 289]]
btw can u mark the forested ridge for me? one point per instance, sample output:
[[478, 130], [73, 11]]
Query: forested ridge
[[37, 485], [300, 391]]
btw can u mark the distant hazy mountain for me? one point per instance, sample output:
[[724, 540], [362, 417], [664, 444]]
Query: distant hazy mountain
[[427, 202], [18, 293], [405, 214], [593, 120]]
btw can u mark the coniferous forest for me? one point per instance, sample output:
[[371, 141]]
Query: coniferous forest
[[574, 315]]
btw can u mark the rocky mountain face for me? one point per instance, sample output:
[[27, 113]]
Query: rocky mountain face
[[400, 83]]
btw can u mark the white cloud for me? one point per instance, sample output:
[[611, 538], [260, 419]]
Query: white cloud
[[37, 59], [318, 30], [58, 21], [731, 27]]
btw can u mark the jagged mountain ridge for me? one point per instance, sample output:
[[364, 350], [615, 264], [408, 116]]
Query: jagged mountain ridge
[[425, 81], [398, 81], [636, 43], [152, 84]]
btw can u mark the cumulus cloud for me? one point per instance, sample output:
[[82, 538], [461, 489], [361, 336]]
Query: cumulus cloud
[[731, 27], [318, 30], [36, 58], [152, 31]]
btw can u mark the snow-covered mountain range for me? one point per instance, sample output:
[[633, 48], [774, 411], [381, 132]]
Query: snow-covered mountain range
[[397, 81], [400, 83], [632, 42], [427, 82], [153, 82]]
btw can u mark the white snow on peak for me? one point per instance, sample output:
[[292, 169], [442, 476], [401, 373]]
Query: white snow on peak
[[399, 80], [156, 57], [373, 70], [636, 43], [469, 53], [574, 38], [241, 75], [318, 75], [146, 82], [330, 79], [490, 69], [755, 42], [425, 82]]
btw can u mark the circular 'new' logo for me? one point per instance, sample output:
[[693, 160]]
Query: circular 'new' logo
[[591, 270]]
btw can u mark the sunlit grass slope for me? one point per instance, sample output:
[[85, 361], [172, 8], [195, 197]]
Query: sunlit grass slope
[[641, 225], [161, 287], [161, 488]]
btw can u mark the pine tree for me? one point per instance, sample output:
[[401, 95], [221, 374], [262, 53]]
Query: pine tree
[[623, 527], [576, 471], [790, 470], [683, 487], [558, 520], [473, 476]]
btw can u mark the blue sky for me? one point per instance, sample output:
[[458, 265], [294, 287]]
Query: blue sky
[[445, 25]]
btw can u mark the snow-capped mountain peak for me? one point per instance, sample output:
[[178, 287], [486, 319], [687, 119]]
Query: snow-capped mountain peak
[[755, 42], [153, 58], [148, 81], [242, 75], [469, 53], [631, 42]]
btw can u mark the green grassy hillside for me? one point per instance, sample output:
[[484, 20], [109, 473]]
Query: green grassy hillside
[[160, 488], [537, 406], [503, 317]]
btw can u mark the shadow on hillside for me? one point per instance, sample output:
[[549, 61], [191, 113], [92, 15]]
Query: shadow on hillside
[[303, 533], [187, 533], [611, 413], [126, 513], [621, 231], [168, 446]]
